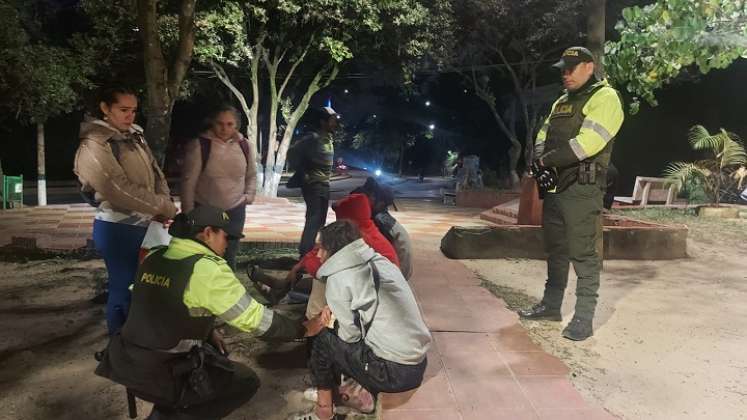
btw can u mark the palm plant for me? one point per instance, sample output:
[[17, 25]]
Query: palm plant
[[727, 159]]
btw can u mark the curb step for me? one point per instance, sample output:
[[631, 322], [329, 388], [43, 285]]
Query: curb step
[[498, 218]]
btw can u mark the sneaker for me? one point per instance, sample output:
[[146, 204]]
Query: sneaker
[[578, 329], [541, 311]]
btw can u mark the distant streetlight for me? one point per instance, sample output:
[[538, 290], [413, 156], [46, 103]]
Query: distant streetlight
[[427, 103], [465, 90], [432, 127], [374, 115], [347, 91]]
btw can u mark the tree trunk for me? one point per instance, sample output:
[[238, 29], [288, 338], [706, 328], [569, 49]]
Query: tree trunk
[[278, 151], [163, 85], [272, 132], [595, 28], [250, 113], [41, 192]]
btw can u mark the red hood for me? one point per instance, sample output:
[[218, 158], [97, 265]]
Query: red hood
[[356, 208]]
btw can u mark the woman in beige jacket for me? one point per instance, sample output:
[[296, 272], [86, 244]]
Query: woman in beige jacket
[[219, 170], [122, 179]]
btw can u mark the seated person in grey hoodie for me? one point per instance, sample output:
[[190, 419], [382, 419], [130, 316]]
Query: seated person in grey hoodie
[[380, 339]]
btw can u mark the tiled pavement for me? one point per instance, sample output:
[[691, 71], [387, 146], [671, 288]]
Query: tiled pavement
[[482, 364], [68, 226]]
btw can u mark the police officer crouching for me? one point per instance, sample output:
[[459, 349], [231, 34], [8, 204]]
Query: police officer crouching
[[573, 149], [168, 352]]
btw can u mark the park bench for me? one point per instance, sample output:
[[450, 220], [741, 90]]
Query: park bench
[[448, 197], [649, 189]]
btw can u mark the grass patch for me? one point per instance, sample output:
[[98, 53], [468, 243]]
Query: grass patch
[[514, 298], [712, 231]]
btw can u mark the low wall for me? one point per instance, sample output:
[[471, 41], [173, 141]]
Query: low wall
[[624, 239], [484, 199]]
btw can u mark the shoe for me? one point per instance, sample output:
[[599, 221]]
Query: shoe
[[578, 329], [353, 395], [101, 298], [541, 311]]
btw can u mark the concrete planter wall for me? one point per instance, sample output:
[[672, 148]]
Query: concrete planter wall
[[624, 239]]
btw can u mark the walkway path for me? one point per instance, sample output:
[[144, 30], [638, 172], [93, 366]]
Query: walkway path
[[69, 226], [482, 364]]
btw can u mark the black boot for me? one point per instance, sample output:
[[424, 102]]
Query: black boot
[[579, 329], [541, 311]]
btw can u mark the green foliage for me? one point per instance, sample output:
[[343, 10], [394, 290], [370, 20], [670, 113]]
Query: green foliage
[[328, 30], [660, 41], [694, 191], [727, 157], [38, 80]]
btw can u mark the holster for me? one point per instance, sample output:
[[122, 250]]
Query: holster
[[587, 173]]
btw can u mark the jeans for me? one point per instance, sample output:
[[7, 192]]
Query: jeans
[[316, 197], [119, 246], [331, 356], [238, 217]]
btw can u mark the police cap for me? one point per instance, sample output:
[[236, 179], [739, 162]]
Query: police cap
[[573, 56], [205, 216]]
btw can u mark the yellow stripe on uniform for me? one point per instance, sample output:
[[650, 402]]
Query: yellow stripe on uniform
[[604, 117]]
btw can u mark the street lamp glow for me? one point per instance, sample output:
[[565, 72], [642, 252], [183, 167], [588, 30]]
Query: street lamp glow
[[347, 91], [427, 103], [432, 127], [378, 172]]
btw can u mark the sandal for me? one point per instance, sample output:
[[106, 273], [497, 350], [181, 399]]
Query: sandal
[[353, 395]]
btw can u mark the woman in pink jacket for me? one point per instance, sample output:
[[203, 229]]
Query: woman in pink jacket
[[220, 170]]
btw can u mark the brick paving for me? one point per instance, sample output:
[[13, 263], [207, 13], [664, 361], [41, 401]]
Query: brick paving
[[67, 227], [482, 364]]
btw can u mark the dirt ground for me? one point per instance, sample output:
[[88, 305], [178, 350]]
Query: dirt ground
[[50, 331], [670, 336]]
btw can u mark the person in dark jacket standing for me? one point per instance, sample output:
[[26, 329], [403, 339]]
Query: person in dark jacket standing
[[312, 158]]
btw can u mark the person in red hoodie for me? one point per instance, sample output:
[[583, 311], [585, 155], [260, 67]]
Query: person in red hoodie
[[357, 209]]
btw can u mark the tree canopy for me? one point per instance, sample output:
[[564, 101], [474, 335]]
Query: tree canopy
[[291, 49], [39, 78], [660, 41]]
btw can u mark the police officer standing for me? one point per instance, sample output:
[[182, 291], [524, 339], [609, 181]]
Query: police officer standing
[[573, 149], [168, 352]]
